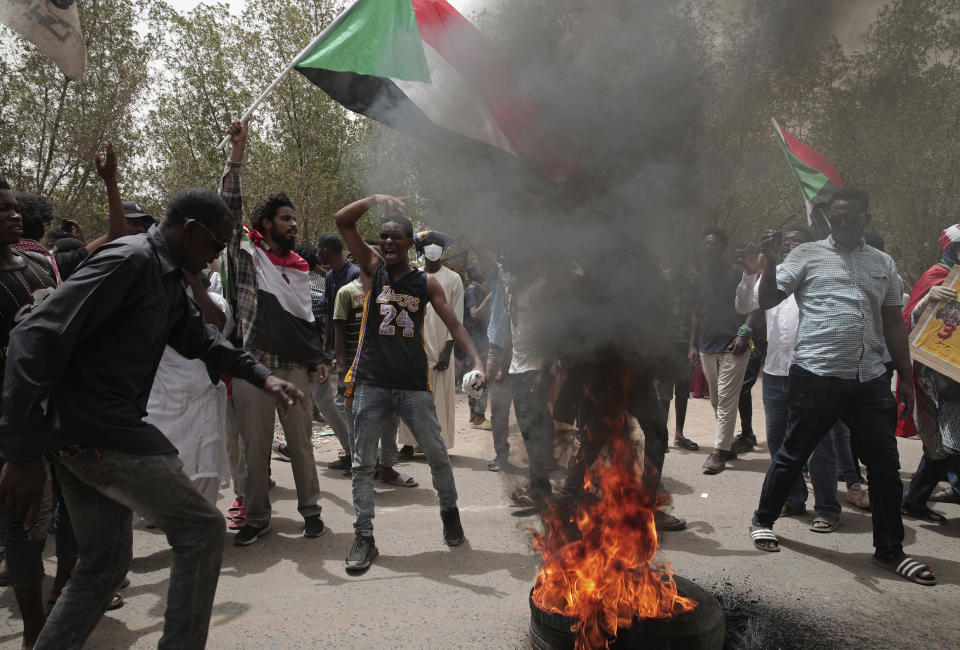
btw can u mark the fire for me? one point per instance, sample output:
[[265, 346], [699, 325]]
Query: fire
[[606, 576]]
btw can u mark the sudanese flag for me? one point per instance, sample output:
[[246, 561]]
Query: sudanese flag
[[421, 68], [817, 178]]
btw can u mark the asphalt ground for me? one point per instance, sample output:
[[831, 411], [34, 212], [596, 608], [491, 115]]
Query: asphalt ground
[[291, 592]]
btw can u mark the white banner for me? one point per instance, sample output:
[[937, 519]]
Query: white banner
[[51, 25]]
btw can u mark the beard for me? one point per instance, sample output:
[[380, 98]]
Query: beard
[[286, 241]]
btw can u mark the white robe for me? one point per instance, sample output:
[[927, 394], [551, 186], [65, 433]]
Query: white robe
[[191, 412], [435, 337]]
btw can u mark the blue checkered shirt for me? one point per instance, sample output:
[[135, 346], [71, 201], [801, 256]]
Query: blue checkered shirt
[[840, 293]]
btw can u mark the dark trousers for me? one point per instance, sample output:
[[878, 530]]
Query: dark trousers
[[745, 405], [870, 411], [644, 405], [536, 427], [102, 490], [929, 473]]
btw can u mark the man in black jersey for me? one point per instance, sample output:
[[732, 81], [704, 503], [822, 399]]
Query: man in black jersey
[[390, 368]]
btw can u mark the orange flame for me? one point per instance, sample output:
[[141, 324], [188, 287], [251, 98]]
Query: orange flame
[[607, 577]]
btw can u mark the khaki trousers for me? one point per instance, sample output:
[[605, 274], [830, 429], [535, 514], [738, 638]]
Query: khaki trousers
[[724, 373], [255, 411]]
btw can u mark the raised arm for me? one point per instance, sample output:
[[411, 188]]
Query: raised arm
[[230, 190], [768, 295], [456, 328], [117, 227], [348, 216]]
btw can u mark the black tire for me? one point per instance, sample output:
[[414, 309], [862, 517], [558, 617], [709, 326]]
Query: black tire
[[702, 629]]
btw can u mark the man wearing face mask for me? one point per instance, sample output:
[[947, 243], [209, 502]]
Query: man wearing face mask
[[437, 340]]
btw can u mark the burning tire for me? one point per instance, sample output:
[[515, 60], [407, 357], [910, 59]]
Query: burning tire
[[701, 629]]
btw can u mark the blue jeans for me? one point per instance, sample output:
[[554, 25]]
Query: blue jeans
[[373, 409], [868, 408], [101, 490], [822, 463]]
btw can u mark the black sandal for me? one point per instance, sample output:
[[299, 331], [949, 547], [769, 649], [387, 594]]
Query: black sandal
[[923, 512], [115, 603], [686, 443]]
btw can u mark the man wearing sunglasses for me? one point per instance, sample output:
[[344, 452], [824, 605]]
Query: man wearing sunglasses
[[849, 295], [78, 374]]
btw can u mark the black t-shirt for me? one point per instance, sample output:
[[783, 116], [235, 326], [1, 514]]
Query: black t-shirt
[[719, 320], [391, 351], [21, 291]]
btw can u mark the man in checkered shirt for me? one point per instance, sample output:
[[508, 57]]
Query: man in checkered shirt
[[850, 296], [291, 347]]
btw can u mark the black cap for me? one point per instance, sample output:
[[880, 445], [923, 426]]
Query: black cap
[[132, 210]]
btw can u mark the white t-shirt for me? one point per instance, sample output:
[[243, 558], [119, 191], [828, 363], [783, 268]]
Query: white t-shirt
[[527, 305]]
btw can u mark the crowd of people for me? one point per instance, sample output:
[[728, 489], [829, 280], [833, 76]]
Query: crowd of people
[[170, 349]]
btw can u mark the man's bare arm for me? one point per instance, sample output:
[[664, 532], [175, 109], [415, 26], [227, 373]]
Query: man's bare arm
[[456, 328], [895, 335], [346, 219], [768, 294]]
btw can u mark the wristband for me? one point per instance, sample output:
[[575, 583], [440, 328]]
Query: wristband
[[745, 331]]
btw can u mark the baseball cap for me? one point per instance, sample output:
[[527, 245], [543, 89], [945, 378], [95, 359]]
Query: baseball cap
[[132, 210]]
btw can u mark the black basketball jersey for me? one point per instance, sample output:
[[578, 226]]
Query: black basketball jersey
[[391, 354]]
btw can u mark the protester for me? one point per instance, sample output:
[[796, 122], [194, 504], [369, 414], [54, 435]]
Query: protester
[[476, 319], [28, 278], [498, 359], [530, 376], [347, 321], [270, 298], [187, 407], [438, 343], [849, 297], [322, 391], [782, 322], [720, 339], [83, 358], [677, 369], [390, 369], [937, 413]]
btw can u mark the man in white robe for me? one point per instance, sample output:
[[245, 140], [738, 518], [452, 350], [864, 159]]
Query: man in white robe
[[438, 343]]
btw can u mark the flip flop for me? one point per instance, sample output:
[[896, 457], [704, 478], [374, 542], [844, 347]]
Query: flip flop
[[686, 443], [831, 524], [115, 603], [908, 568], [923, 512], [759, 534], [401, 480]]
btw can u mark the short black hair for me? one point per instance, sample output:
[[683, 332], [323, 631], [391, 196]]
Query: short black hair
[[309, 253], [36, 212], [331, 241], [875, 239], [719, 233], [66, 244], [402, 221], [198, 203], [802, 229], [267, 209], [4, 185], [851, 193]]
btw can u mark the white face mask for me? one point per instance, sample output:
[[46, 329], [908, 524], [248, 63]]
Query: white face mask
[[433, 252]]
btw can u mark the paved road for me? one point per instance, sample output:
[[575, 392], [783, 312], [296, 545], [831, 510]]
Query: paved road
[[291, 592]]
